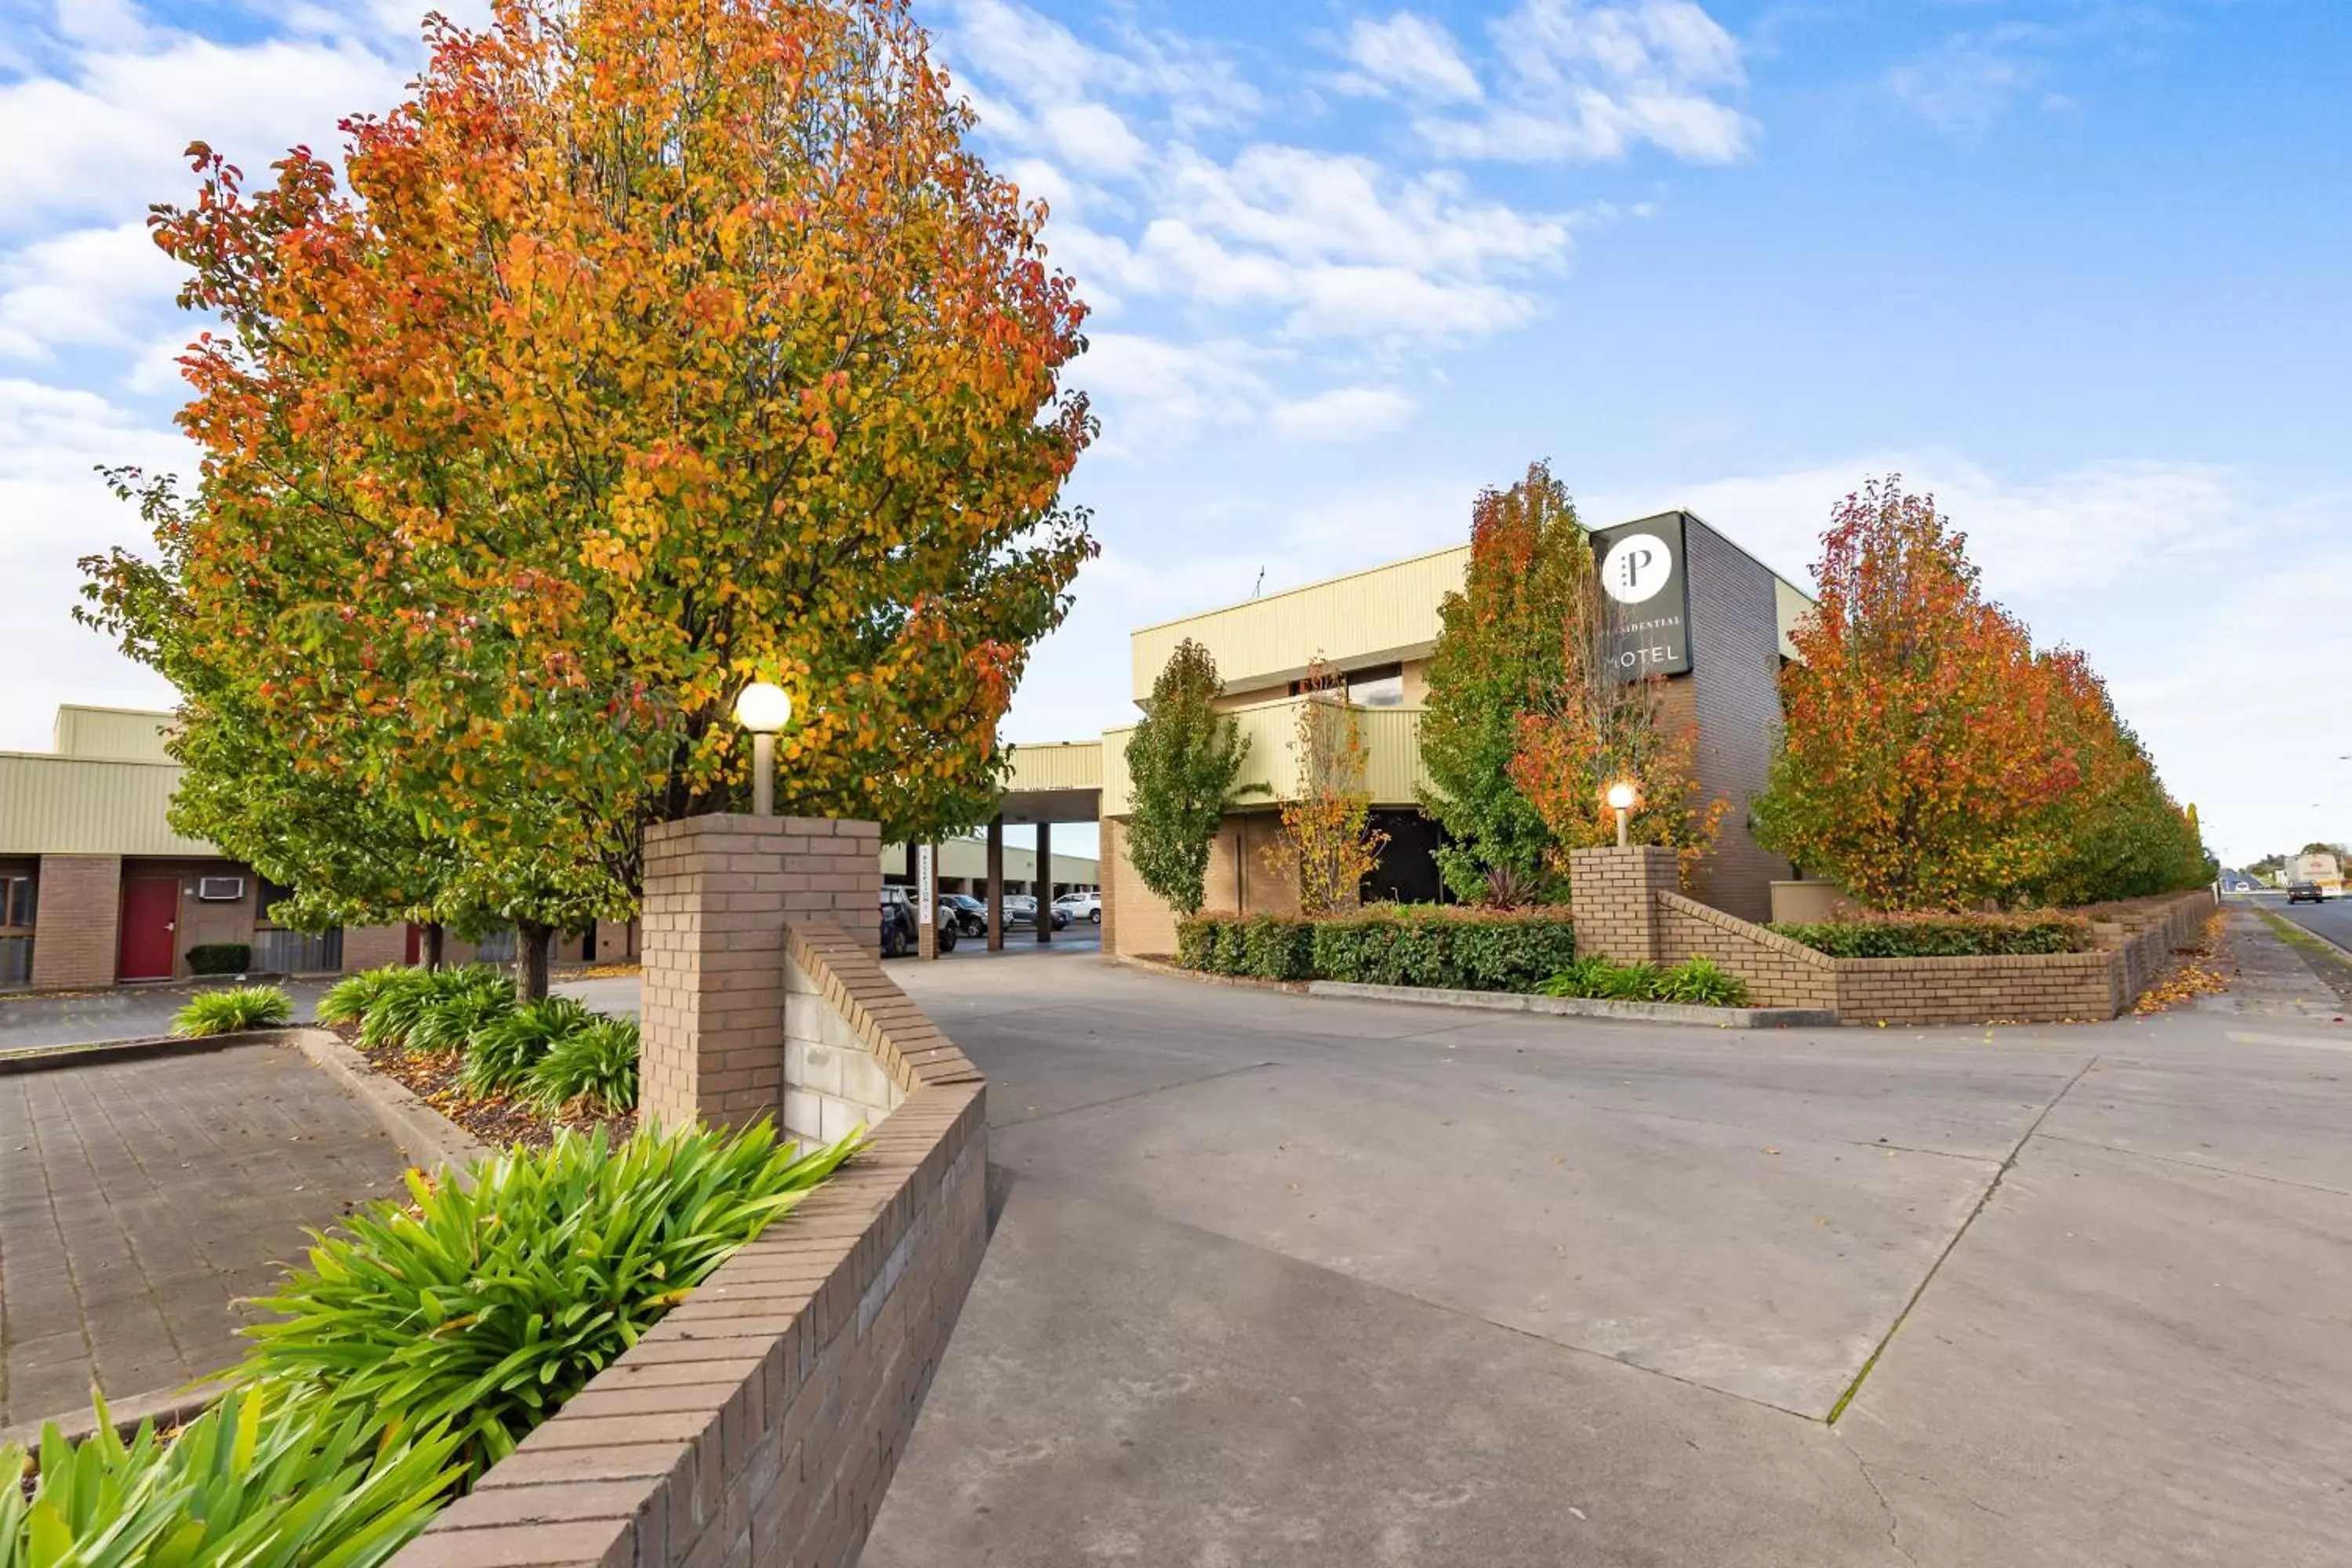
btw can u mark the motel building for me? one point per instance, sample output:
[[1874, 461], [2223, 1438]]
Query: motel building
[[96, 889], [1686, 602]]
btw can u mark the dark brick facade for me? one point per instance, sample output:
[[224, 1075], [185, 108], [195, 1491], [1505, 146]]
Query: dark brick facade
[[1734, 692]]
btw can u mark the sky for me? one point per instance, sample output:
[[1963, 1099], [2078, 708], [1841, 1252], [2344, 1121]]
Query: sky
[[2080, 268]]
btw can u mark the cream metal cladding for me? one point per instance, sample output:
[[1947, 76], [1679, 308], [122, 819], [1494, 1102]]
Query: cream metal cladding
[[1366, 617], [119, 734], [82, 805]]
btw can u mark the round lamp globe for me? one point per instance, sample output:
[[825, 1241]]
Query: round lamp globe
[[1621, 796], [763, 708]]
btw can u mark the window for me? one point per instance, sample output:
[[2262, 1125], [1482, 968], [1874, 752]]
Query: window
[[1380, 687], [16, 900]]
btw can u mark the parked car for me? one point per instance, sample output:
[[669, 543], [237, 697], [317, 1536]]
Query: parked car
[[1021, 910], [1086, 907], [2305, 893], [901, 927], [970, 914]]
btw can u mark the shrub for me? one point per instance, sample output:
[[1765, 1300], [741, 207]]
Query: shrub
[[347, 1001], [596, 1065], [1699, 981], [1452, 946], [1942, 935], [453, 1015], [487, 1306], [407, 997], [229, 1011], [1274, 948], [1628, 982], [503, 1053], [220, 958], [258, 1478]]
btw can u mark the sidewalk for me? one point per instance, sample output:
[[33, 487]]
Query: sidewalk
[[2280, 978]]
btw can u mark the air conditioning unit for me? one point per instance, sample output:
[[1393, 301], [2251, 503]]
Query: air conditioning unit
[[220, 889]]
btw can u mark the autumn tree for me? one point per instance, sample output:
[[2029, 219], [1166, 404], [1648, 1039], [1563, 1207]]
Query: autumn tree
[[1327, 845], [2117, 833], [1499, 655], [1182, 761], [1920, 759], [651, 347], [1592, 728]]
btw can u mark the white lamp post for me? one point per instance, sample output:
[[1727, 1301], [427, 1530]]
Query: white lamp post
[[1622, 796], [763, 708]]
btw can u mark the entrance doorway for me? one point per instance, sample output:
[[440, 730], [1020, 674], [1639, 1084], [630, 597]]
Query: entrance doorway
[[150, 915]]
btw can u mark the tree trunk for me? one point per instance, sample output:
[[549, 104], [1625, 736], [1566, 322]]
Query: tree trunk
[[434, 934], [531, 959]]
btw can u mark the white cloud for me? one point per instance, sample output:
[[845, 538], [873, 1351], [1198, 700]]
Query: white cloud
[[1410, 55], [1969, 81], [1586, 82], [54, 509], [1343, 414], [110, 135], [1155, 392], [2087, 528], [88, 286]]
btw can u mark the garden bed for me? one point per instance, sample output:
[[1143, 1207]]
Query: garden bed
[[499, 1120]]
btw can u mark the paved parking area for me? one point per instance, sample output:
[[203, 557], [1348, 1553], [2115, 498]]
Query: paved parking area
[[1285, 1280], [139, 1199]]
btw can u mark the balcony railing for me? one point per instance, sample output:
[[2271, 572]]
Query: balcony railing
[[1392, 770]]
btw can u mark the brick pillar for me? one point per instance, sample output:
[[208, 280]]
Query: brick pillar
[[718, 893], [1614, 892], [1107, 872], [76, 923]]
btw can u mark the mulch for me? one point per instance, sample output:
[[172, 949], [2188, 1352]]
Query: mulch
[[500, 1122]]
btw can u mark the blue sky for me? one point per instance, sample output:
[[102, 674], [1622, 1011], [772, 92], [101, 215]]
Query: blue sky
[[2080, 268]]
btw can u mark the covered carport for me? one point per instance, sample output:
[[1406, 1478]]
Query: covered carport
[[1058, 781]]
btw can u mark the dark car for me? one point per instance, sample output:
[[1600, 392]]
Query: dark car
[[1021, 910], [2305, 893], [970, 914], [900, 927]]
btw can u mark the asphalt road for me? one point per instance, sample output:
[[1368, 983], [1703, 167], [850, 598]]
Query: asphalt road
[[2332, 920], [1337, 1284]]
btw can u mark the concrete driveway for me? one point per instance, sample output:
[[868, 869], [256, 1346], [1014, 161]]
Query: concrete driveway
[[1282, 1281]]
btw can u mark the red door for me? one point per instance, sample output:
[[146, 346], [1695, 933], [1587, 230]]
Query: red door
[[416, 946], [151, 910]]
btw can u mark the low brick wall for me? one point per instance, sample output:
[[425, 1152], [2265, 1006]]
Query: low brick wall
[[2135, 941], [1779, 973], [761, 1421]]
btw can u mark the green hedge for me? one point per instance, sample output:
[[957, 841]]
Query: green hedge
[[220, 958], [1942, 936], [1412, 944]]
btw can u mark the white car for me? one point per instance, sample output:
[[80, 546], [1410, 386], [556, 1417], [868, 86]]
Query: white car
[[1086, 907]]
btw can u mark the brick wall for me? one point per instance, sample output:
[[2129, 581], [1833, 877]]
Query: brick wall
[[718, 892], [1779, 973], [372, 947], [1735, 683], [763, 1418], [1238, 878], [759, 1423], [74, 931], [2136, 943]]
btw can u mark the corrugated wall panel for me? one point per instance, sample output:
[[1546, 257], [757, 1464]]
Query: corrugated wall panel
[[1392, 767], [1060, 764], [1388, 611], [123, 734], [76, 805]]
